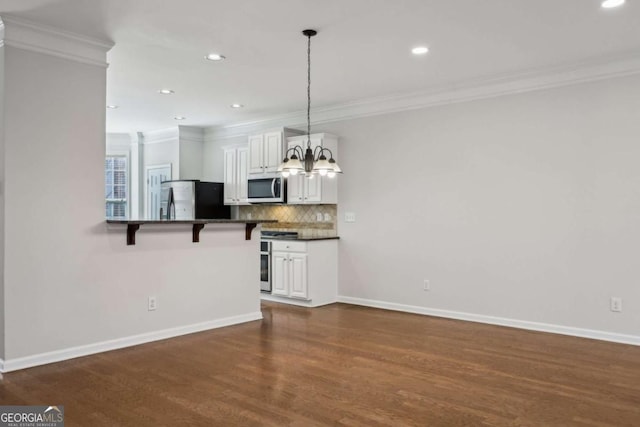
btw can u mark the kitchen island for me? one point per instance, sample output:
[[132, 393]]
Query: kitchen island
[[166, 285]]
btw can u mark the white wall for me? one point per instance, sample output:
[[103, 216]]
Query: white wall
[[521, 207], [162, 153], [70, 281], [118, 142], [2, 183], [213, 156], [191, 141]]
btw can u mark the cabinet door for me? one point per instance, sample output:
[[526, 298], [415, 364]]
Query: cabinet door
[[298, 276], [313, 189], [230, 177], [295, 188], [313, 186], [273, 154], [242, 163], [280, 274], [256, 154]]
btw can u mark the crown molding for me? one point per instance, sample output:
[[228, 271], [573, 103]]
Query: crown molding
[[160, 136], [47, 40], [506, 84], [178, 134], [191, 134]]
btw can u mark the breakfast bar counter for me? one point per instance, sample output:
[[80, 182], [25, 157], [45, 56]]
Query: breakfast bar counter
[[133, 225]]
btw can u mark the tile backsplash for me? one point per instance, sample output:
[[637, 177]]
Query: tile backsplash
[[299, 218]]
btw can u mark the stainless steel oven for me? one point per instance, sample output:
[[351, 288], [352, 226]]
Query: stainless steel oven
[[265, 265]]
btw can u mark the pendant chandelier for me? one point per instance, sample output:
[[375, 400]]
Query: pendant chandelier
[[313, 161]]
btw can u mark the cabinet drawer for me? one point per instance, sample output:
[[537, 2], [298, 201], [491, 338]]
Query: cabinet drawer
[[286, 246]]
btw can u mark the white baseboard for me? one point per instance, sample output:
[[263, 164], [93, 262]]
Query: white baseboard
[[513, 323], [294, 301], [85, 350]]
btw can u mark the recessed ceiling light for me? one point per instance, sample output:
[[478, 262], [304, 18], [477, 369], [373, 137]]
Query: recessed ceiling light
[[236, 105], [179, 118], [166, 91], [610, 4], [112, 107], [215, 57], [420, 50]]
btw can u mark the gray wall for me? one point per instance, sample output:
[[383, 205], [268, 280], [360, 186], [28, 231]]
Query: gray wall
[[213, 156], [2, 215], [72, 285], [521, 207]]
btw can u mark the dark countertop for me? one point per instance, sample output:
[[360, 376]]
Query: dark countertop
[[188, 221], [300, 239], [133, 225]]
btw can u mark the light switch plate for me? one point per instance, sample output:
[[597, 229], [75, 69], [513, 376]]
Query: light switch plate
[[349, 217]]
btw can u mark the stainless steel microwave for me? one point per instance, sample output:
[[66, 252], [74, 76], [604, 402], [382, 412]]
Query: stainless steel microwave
[[267, 190]]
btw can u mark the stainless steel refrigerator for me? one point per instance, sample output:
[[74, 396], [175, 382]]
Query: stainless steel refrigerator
[[193, 199]]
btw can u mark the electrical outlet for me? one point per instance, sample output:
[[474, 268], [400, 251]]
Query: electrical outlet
[[427, 285], [319, 216], [327, 217], [349, 217], [153, 303], [616, 304], [248, 215]]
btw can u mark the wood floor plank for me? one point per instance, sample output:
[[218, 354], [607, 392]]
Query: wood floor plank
[[347, 366]]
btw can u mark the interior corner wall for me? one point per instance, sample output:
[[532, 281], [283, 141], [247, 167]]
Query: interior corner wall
[[523, 207], [191, 159], [54, 136], [2, 184], [162, 153]]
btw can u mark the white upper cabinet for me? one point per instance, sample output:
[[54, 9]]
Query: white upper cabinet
[[302, 189], [256, 154], [273, 151], [266, 150], [236, 162]]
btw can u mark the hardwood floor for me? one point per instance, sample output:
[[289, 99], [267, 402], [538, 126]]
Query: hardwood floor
[[344, 365]]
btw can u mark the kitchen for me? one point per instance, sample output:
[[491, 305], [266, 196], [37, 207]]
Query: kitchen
[[490, 177], [304, 269]]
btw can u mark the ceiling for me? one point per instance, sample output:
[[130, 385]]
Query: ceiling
[[362, 49]]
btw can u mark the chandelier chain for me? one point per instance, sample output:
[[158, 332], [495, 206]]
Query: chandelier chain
[[309, 91]]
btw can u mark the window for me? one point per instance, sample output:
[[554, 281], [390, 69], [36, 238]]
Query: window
[[115, 188]]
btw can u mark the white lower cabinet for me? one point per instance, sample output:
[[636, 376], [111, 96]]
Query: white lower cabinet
[[304, 273], [290, 275]]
